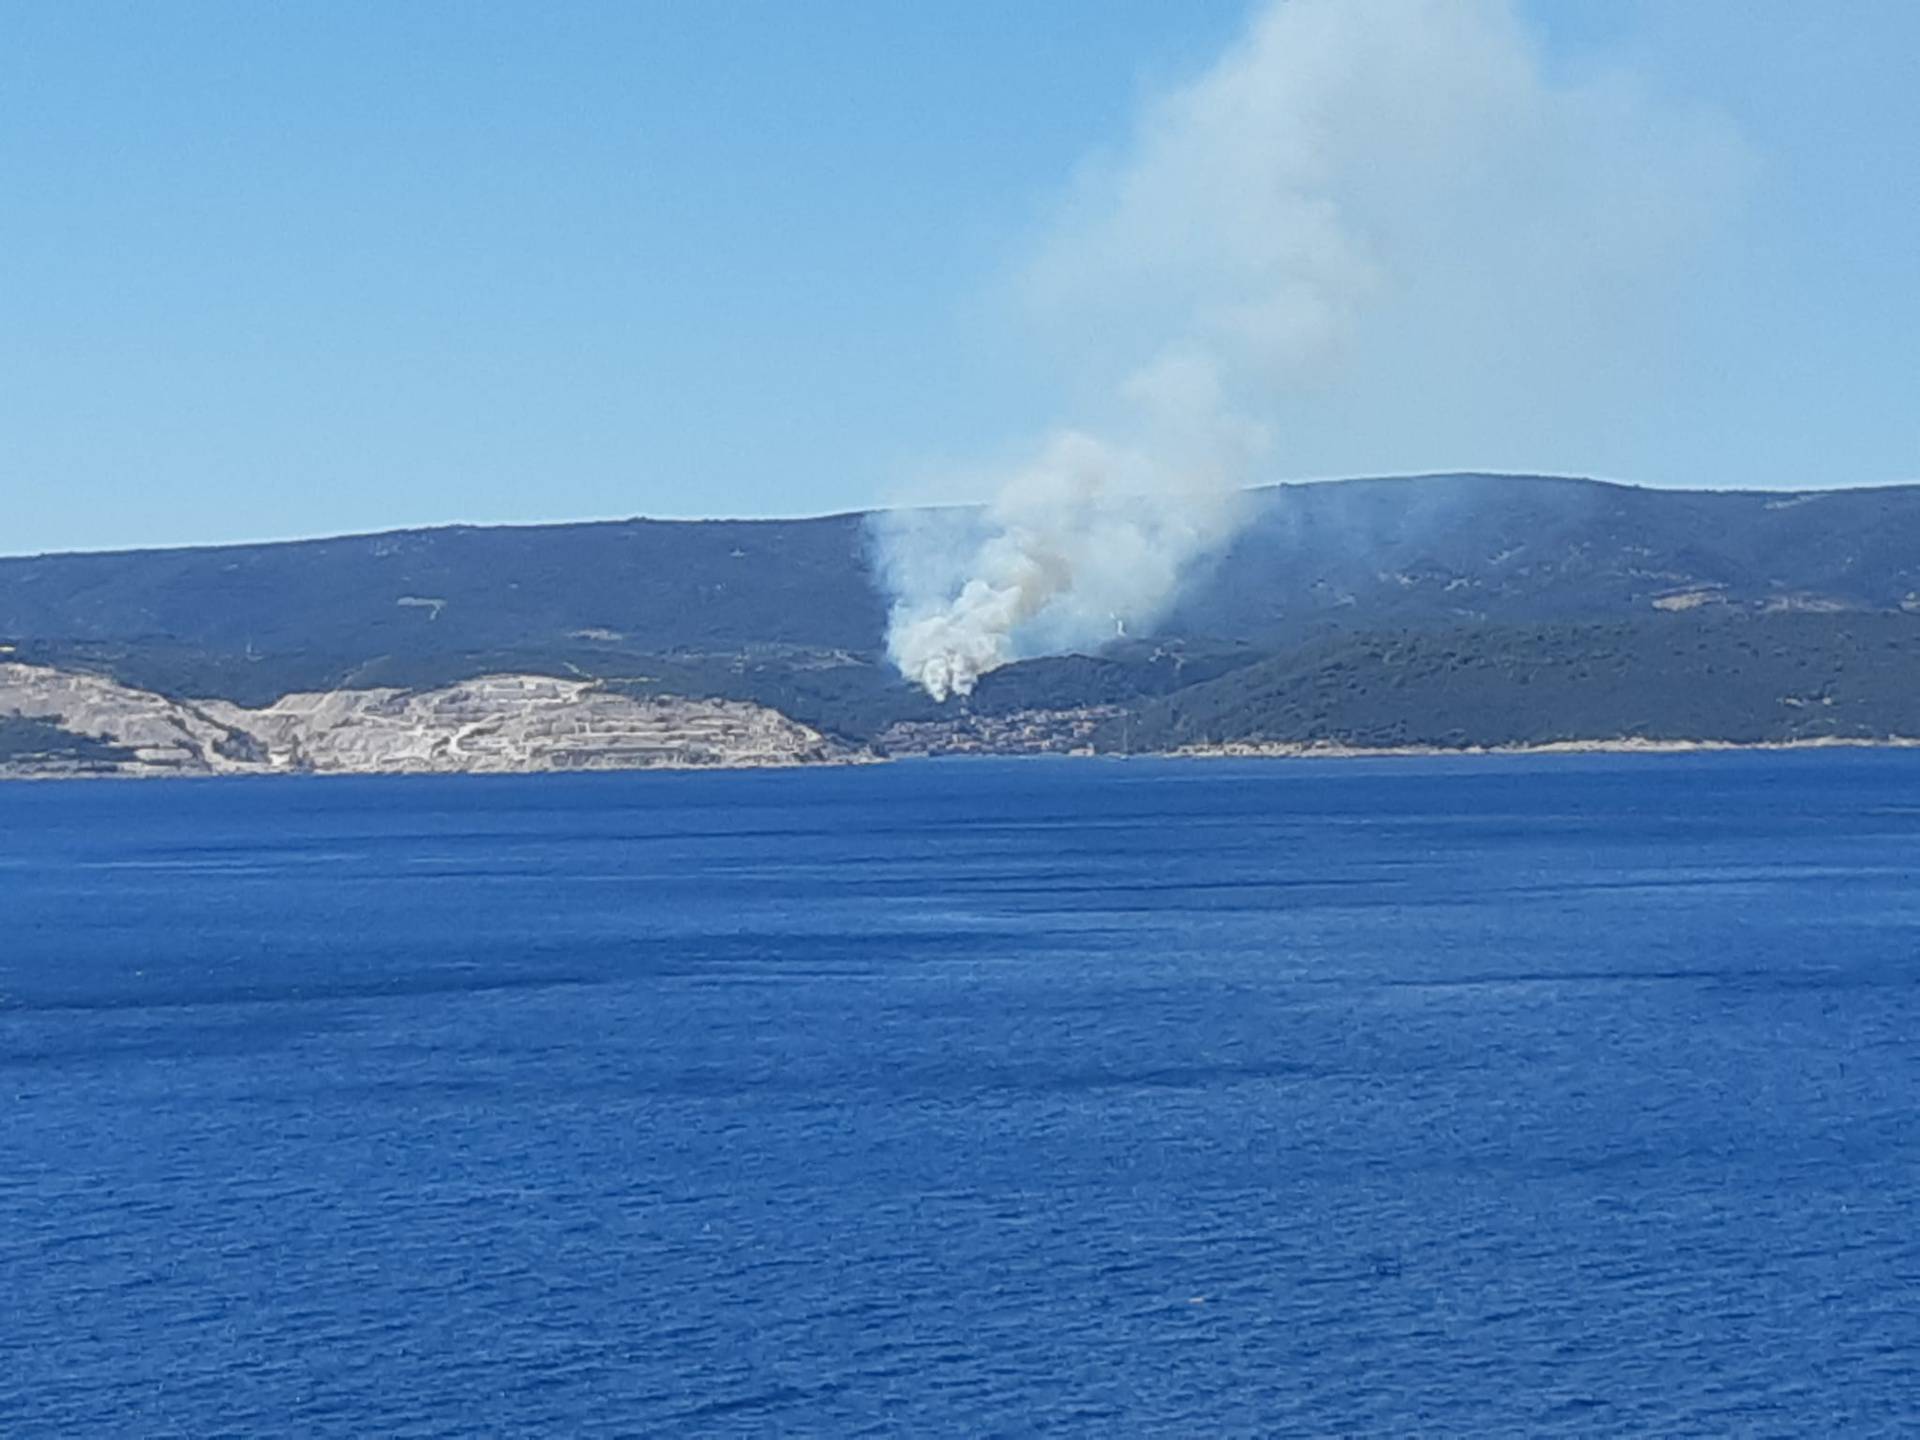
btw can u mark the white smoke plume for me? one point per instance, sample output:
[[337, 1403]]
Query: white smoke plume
[[1350, 174], [1093, 537]]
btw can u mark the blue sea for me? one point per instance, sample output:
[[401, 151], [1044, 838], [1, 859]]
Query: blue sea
[[1570, 1095]]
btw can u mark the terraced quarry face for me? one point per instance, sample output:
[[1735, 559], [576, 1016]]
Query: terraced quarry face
[[499, 723]]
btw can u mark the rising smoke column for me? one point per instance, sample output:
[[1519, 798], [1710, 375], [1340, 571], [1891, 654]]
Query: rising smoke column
[[1351, 179], [1092, 538]]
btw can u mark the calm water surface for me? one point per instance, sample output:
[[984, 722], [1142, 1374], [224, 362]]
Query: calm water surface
[[1483, 1096]]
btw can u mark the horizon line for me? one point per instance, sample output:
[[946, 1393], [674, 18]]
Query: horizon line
[[805, 517]]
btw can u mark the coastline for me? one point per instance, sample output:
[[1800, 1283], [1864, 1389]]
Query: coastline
[[1239, 750], [1620, 745]]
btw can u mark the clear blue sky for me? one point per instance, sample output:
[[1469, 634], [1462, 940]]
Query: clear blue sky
[[294, 269]]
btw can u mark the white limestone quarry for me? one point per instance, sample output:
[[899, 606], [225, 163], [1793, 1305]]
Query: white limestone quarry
[[164, 737], [497, 724]]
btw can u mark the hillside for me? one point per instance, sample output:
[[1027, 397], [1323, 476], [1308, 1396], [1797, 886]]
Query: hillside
[[1444, 610], [250, 622], [1451, 549], [1769, 679]]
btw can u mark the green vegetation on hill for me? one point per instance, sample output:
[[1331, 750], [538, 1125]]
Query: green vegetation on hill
[[635, 585], [1773, 678], [1445, 610], [249, 622]]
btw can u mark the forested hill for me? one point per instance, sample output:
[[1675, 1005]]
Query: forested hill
[[1363, 554], [1441, 609], [657, 585], [1768, 679]]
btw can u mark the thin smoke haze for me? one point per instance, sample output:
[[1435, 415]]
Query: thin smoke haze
[[1352, 176]]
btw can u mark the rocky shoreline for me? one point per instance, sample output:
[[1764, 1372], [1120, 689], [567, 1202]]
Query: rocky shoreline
[[58, 724], [498, 724]]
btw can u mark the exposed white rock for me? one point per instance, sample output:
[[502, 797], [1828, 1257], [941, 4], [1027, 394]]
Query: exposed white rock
[[165, 736], [499, 723]]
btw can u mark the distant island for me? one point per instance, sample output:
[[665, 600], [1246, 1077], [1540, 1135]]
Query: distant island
[[1446, 612]]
